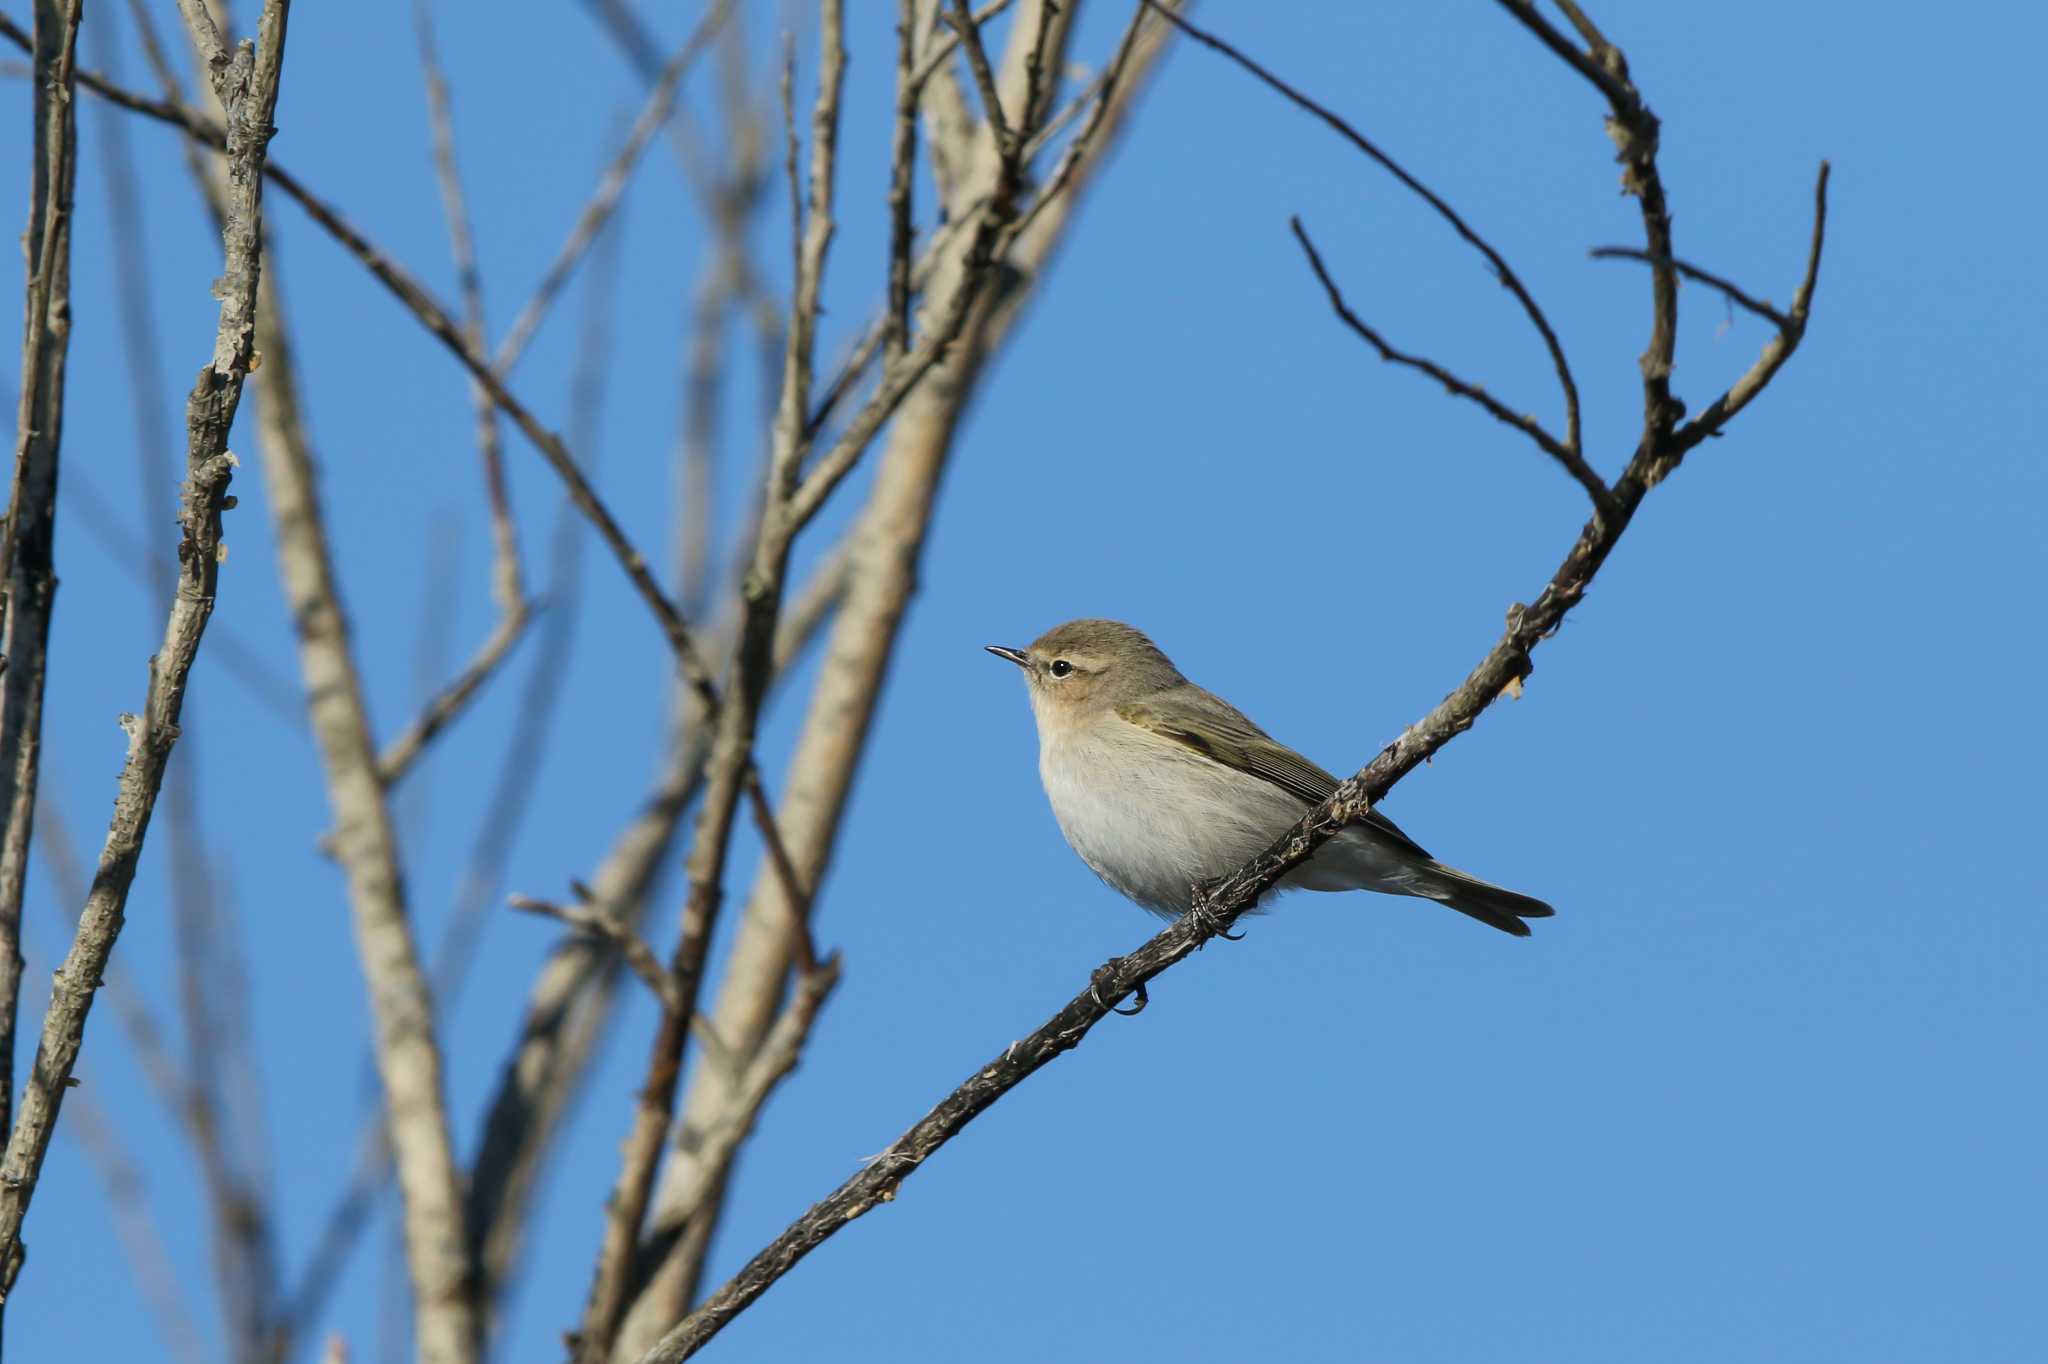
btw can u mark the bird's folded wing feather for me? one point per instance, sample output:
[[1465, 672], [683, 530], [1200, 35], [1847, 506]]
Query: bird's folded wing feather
[[1212, 727]]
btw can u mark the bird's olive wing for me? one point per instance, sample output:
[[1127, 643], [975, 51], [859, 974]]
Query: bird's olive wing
[[1235, 742]]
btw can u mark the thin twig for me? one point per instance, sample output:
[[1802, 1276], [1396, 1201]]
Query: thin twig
[[1693, 272], [403, 752], [969, 31], [597, 924], [1521, 421], [1102, 99], [1507, 277], [508, 588], [948, 43], [797, 895], [506, 584], [1776, 352], [902, 171]]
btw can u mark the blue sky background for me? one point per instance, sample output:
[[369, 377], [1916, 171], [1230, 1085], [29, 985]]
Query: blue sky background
[[1768, 1087]]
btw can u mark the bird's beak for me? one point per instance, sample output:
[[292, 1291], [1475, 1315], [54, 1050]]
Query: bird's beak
[[1016, 656]]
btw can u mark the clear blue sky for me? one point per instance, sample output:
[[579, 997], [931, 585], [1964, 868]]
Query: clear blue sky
[[1768, 1087]]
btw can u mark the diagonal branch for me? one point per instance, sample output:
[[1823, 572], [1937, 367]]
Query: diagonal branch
[[1732, 290], [632, 948]]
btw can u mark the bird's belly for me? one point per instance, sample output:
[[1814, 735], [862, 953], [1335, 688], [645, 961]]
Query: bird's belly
[[1166, 819]]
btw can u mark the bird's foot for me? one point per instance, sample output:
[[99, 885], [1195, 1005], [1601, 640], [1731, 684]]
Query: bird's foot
[[1205, 917], [1102, 976]]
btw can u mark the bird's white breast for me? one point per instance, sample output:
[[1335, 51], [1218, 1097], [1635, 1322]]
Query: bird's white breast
[[1150, 816]]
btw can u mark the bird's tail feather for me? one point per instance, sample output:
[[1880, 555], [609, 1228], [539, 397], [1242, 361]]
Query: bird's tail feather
[[1493, 905]]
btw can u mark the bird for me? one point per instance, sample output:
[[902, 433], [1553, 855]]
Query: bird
[[1161, 786]]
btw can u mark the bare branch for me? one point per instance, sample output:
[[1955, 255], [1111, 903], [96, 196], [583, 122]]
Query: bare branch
[[1635, 131], [1693, 272], [948, 44], [969, 31], [213, 48], [28, 577], [597, 924], [247, 85], [902, 171], [795, 893], [1777, 350], [1528, 425], [1101, 99], [401, 753], [1508, 278]]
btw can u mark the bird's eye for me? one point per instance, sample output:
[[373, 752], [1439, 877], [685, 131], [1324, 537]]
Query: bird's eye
[[1060, 667]]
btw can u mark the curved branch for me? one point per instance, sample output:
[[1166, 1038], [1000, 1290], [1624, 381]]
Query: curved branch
[[1521, 421]]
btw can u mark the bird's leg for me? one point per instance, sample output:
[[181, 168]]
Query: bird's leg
[[1101, 978], [1204, 917]]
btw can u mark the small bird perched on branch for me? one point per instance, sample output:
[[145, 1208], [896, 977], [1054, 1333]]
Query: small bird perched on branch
[[1160, 785]]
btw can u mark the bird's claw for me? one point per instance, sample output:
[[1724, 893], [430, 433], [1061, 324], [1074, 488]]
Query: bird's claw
[[1101, 977], [1204, 917]]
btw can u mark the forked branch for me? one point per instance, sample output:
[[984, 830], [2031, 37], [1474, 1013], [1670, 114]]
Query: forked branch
[[1502, 271]]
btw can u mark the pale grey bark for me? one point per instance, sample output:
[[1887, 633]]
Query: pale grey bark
[[364, 844]]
